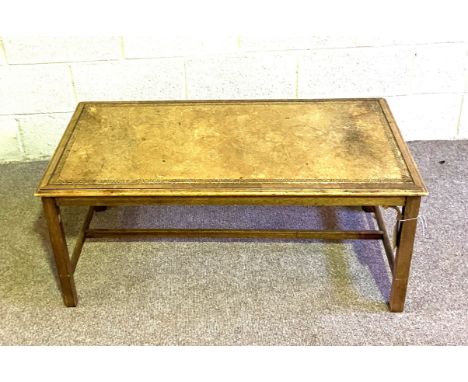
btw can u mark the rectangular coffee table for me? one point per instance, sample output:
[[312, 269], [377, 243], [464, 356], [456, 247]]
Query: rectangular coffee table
[[342, 152]]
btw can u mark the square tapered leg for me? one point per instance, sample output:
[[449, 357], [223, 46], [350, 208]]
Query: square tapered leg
[[59, 247], [404, 253]]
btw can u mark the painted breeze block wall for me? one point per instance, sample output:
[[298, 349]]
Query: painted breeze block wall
[[43, 78]]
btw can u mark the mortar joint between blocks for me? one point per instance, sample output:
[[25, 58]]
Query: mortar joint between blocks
[[460, 115], [122, 48], [3, 50], [185, 81], [21, 138], [72, 79], [296, 90]]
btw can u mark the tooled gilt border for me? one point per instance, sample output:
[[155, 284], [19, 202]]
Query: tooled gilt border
[[389, 134]]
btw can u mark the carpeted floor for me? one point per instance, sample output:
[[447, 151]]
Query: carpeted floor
[[234, 292]]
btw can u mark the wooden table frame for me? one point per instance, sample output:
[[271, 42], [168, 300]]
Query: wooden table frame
[[399, 260], [370, 196]]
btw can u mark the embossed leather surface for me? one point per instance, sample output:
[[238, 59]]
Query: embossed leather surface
[[326, 141]]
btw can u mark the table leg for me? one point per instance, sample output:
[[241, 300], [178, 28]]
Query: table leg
[[403, 254], [59, 247]]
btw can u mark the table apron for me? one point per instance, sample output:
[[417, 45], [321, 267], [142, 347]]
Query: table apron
[[234, 200]]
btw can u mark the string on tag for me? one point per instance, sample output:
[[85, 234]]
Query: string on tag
[[398, 222], [423, 223]]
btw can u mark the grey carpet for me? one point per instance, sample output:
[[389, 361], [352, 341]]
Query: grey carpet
[[227, 292]]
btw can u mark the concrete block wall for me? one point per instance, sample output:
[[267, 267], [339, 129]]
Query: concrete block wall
[[425, 80]]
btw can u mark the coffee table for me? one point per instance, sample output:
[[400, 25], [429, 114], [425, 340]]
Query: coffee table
[[338, 152]]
